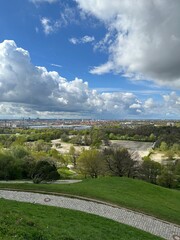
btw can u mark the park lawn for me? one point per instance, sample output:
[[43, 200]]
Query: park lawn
[[25, 221], [134, 194], [65, 173]]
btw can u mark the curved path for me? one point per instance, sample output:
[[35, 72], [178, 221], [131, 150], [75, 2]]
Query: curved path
[[141, 221]]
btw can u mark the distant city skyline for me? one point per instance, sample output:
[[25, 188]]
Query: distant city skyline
[[95, 59]]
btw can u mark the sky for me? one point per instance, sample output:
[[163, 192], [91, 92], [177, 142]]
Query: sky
[[97, 59]]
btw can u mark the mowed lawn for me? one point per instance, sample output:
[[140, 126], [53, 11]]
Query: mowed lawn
[[134, 194], [24, 221]]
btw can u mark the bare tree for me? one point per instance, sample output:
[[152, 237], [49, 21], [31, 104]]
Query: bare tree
[[119, 162]]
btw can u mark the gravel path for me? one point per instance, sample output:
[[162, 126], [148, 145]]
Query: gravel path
[[68, 181], [144, 222]]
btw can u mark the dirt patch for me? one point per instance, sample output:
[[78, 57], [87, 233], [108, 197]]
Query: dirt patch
[[65, 147], [139, 149]]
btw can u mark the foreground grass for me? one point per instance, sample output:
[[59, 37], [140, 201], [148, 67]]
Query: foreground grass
[[24, 221], [134, 194]]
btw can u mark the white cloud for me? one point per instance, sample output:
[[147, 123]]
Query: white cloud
[[135, 106], [104, 68], [85, 39], [67, 16], [49, 26], [149, 104], [43, 1], [172, 103], [145, 38], [28, 90], [74, 41], [56, 65]]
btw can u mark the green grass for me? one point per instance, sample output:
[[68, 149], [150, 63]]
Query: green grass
[[65, 173], [24, 221], [134, 194]]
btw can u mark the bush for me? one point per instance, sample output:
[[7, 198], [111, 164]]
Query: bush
[[45, 170]]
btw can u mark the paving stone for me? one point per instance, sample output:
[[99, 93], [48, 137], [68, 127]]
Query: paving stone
[[144, 222]]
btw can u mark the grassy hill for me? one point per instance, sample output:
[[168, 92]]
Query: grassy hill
[[24, 221], [134, 194]]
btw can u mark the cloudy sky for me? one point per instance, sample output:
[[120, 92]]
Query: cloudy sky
[[90, 59]]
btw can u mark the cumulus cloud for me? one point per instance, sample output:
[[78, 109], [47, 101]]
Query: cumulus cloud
[[85, 39], [172, 104], [145, 38], [23, 83], [28, 90]]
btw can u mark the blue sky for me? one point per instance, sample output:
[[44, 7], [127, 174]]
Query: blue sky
[[90, 59]]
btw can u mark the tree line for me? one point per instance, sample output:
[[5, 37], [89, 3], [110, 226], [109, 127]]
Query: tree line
[[119, 162]]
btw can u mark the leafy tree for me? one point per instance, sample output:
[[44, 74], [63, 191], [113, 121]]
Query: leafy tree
[[119, 162], [44, 170], [170, 154], [152, 137], [150, 170], [64, 137], [41, 145], [19, 152], [87, 140], [176, 148], [90, 163], [163, 146], [96, 136], [177, 171], [168, 177], [73, 155], [27, 165], [5, 162], [60, 159], [77, 140], [10, 168], [20, 140]]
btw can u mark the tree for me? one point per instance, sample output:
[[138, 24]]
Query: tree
[[87, 140], [152, 137], [119, 162], [44, 170], [20, 140], [177, 171], [73, 155], [163, 146], [176, 148], [150, 170], [77, 140], [96, 136], [168, 177], [64, 137], [91, 163], [169, 154], [41, 145], [10, 168], [19, 152]]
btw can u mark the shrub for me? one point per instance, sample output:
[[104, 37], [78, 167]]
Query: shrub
[[45, 170]]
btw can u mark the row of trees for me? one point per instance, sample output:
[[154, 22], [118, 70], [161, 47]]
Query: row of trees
[[94, 136], [38, 164], [119, 162], [18, 163]]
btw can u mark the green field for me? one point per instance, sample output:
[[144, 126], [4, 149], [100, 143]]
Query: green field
[[24, 221], [134, 194]]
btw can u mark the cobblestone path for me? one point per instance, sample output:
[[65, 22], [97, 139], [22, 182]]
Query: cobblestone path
[[141, 221]]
